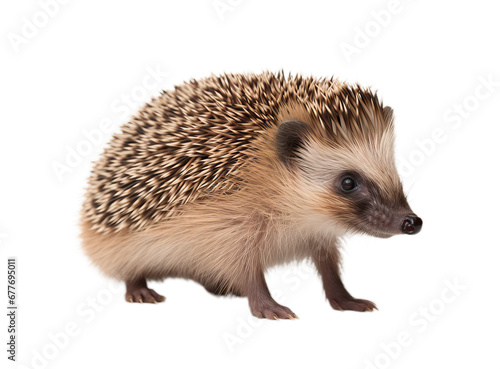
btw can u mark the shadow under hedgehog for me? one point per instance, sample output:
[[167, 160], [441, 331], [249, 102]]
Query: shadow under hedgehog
[[222, 178]]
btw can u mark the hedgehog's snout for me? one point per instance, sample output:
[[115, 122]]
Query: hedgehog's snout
[[411, 224]]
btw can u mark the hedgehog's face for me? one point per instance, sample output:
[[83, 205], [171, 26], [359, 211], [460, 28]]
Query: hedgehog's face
[[353, 185], [364, 205]]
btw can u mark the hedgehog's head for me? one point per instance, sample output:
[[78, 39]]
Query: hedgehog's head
[[349, 172]]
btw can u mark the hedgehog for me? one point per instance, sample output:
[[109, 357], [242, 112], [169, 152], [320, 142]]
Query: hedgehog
[[222, 178]]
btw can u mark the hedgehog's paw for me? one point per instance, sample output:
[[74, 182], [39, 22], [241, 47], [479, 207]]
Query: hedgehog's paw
[[353, 304], [273, 312], [144, 294]]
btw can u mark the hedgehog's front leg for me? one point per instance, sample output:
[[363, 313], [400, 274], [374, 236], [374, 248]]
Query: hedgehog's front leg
[[327, 262], [262, 305]]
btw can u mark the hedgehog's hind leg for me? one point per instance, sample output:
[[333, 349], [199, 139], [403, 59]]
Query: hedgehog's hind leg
[[138, 291]]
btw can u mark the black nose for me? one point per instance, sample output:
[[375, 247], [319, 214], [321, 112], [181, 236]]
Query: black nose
[[411, 224]]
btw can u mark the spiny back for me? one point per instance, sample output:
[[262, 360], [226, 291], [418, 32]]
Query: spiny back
[[193, 140]]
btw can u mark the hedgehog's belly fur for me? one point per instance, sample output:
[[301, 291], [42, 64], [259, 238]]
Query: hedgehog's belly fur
[[213, 249]]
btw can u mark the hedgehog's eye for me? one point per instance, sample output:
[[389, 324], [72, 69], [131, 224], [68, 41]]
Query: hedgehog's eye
[[348, 184]]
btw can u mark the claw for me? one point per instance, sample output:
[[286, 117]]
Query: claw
[[140, 300], [276, 317]]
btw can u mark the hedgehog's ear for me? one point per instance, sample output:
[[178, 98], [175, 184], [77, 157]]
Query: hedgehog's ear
[[290, 138], [388, 114]]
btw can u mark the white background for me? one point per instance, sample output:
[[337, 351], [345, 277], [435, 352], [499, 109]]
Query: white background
[[427, 59]]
